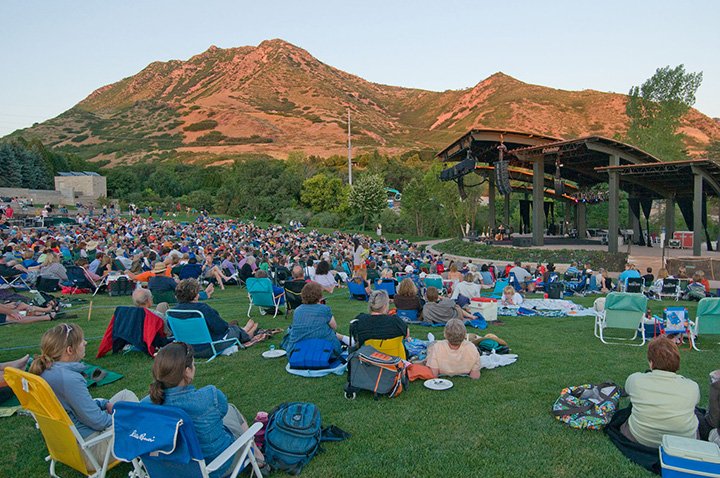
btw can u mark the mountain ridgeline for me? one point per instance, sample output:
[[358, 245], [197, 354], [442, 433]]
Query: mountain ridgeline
[[276, 98]]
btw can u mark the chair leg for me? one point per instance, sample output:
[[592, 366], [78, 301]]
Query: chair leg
[[249, 307]]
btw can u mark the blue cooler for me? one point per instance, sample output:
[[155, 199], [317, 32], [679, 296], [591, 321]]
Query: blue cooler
[[687, 457]]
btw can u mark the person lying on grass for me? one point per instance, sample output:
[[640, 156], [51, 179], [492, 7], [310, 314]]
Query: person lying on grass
[[454, 355], [439, 310], [217, 423], [61, 350], [21, 313]]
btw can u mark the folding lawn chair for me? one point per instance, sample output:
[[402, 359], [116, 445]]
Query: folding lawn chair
[[261, 295], [15, 281], [434, 282], [189, 326], [357, 291], [513, 281], [388, 285], [677, 321], [408, 315], [77, 279], [634, 285], [174, 450], [670, 289], [622, 311], [500, 285], [64, 442], [707, 319], [190, 271]]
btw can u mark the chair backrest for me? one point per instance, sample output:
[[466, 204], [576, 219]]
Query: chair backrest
[[293, 291], [513, 281], [633, 284], [356, 289], [433, 282], [393, 346], [346, 268], [188, 326], [683, 283], [190, 271], [708, 316], [388, 285], [500, 285], [36, 396], [163, 437], [676, 319], [411, 314], [625, 310], [261, 291], [670, 285], [76, 276]]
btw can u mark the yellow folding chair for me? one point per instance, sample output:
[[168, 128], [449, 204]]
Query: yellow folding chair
[[393, 346], [63, 440]]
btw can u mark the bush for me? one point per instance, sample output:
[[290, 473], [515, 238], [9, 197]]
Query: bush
[[293, 214], [391, 221], [325, 219], [612, 262], [201, 125]]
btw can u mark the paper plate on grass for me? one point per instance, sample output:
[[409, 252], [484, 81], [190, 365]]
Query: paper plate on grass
[[274, 353], [438, 384]]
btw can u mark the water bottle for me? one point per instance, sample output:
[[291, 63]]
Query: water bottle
[[272, 347]]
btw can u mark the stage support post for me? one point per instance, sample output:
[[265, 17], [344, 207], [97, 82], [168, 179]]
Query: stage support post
[[635, 222], [669, 219], [538, 233], [506, 214], [613, 204], [491, 202], [697, 214], [582, 220]]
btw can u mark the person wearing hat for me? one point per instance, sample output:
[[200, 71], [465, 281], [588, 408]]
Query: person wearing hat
[[158, 269]]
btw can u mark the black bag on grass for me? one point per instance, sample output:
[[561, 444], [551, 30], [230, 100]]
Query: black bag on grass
[[47, 284], [293, 436]]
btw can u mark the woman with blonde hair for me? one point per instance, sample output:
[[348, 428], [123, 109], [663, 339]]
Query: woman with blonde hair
[[51, 268], [407, 298], [61, 350]]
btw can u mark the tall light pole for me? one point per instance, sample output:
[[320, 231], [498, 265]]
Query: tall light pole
[[349, 152]]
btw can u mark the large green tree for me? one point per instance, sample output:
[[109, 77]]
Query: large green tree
[[368, 196], [656, 108], [324, 193]]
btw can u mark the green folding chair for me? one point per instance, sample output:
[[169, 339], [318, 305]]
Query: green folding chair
[[707, 320], [622, 311]]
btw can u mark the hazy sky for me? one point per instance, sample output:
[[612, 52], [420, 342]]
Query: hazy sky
[[56, 52]]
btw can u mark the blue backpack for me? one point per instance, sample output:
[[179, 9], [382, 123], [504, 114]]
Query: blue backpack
[[292, 436], [312, 354]]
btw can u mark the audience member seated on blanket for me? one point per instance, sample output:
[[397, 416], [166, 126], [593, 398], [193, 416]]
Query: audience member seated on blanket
[[217, 423], [439, 310], [324, 277], [487, 278], [377, 324], [61, 350], [408, 298], [21, 313], [629, 272], [467, 288], [187, 293], [454, 355], [604, 281], [663, 402], [511, 297], [453, 274], [523, 277], [313, 320]]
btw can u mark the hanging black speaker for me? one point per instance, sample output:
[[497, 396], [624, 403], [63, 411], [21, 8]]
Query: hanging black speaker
[[559, 186], [502, 177]]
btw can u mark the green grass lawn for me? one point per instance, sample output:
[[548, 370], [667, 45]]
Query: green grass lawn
[[497, 426]]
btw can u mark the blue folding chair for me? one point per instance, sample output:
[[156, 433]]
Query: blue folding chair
[[357, 291], [160, 442], [500, 285], [513, 281], [189, 326], [190, 271], [408, 315], [262, 295], [388, 285]]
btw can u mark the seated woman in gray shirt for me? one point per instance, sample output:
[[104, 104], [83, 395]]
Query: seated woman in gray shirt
[[439, 310]]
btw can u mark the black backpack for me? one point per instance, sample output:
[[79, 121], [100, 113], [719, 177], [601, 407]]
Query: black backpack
[[293, 436], [46, 284]]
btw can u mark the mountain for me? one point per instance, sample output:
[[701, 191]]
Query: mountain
[[276, 98]]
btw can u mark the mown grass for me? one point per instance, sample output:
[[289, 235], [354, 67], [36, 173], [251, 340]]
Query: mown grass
[[498, 426]]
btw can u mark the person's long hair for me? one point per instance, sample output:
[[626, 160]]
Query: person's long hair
[[53, 344], [168, 369], [322, 268]]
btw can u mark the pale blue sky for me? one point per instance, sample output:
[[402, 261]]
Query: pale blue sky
[[56, 52]]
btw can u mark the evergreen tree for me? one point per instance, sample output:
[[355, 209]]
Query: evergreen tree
[[368, 196], [656, 108]]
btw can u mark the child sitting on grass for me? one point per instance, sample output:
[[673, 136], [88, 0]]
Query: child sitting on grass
[[511, 297]]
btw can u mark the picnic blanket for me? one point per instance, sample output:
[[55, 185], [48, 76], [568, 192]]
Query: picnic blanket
[[547, 308]]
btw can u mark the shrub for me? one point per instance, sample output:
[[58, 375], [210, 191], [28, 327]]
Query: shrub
[[325, 219], [80, 138], [611, 262], [201, 125], [284, 216]]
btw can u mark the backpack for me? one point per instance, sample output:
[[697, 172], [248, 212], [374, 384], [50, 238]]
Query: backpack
[[555, 290], [293, 436], [312, 354], [122, 286], [588, 406], [376, 372], [47, 284]]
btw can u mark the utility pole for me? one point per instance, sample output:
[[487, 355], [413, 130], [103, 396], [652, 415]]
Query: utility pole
[[349, 152]]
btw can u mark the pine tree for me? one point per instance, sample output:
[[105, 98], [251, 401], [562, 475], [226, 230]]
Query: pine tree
[[368, 196]]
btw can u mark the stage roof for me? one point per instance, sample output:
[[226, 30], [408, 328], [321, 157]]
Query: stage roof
[[483, 143]]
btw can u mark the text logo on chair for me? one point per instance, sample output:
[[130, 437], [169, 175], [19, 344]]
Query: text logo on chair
[[141, 437]]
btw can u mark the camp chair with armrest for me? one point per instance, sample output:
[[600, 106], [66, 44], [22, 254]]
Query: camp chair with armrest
[[357, 291], [77, 279], [622, 311], [293, 294], [161, 442], [261, 295], [707, 319], [388, 285], [393, 346], [15, 281], [634, 285], [189, 326], [435, 282], [63, 440], [500, 285], [670, 289]]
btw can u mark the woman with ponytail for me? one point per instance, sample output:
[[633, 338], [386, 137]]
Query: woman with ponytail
[[217, 423], [62, 348]]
